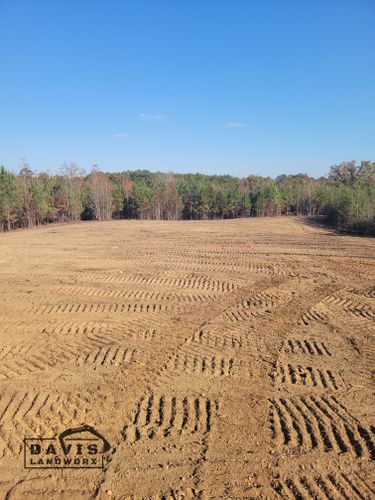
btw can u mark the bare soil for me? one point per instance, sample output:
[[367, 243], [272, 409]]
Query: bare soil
[[220, 359]]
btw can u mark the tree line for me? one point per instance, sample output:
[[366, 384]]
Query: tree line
[[346, 196]]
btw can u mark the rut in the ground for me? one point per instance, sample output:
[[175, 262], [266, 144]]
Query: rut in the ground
[[164, 416], [99, 308], [334, 485], [292, 374], [319, 422], [306, 347]]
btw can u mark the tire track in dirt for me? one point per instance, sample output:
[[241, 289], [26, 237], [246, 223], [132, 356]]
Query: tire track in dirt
[[291, 374], [113, 355], [46, 309], [32, 413], [165, 416], [328, 486], [190, 282], [320, 422], [308, 347], [142, 295]]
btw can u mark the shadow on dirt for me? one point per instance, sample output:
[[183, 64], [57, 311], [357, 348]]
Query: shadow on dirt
[[322, 222]]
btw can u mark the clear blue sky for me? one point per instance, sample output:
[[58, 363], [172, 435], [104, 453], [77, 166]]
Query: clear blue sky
[[239, 87]]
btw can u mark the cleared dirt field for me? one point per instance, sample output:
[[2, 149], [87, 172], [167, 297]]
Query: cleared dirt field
[[221, 359]]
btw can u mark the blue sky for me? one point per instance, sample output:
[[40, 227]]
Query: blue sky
[[239, 87]]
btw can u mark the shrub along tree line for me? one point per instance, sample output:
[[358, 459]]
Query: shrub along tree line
[[346, 196]]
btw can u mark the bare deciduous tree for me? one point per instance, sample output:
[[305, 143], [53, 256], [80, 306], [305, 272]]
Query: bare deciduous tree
[[101, 195]]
